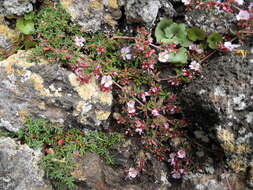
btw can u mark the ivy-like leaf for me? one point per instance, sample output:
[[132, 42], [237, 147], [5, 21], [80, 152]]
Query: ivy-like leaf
[[179, 57], [159, 31], [213, 39], [25, 26], [196, 33]]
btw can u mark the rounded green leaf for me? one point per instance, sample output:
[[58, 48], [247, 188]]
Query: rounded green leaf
[[159, 31], [196, 33], [213, 40], [25, 26], [179, 57]]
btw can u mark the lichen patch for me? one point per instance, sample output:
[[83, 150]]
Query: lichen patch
[[102, 115]]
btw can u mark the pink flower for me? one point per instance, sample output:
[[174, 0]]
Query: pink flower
[[194, 47], [132, 173], [143, 95], [195, 66], [131, 107], [106, 81], [243, 15], [231, 46], [149, 52], [155, 112], [139, 130], [100, 50], [181, 154], [155, 89], [79, 41]]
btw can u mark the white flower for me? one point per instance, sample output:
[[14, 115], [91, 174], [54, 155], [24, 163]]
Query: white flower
[[231, 46], [186, 2], [106, 81], [139, 130], [79, 41], [243, 15], [181, 154], [130, 107], [240, 2], [132, 173], [126, 53], [164, 56], [195, 66]]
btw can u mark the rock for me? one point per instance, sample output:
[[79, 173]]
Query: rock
[[146, 11], [211, 21], [8, 37], [30, 88], [15, 7], [220, 102], [19, 167], [91, 15], [93, 173], [211, 182], [94, 15]]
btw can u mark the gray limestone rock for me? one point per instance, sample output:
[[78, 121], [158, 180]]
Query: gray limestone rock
[[44, 90], [211, 20], [19, 168], [15, 7], [221, 102], [94, 15], [146, 11]]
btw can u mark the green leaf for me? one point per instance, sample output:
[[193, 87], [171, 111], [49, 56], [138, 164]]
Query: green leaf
[[162, 25], [29, 16], [213, 39], [179, 57], [25, 26], [196, 33]]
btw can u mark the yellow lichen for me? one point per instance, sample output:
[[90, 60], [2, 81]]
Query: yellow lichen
[[102, 115], [109, 20], [237, 165], [9, 33], [85, 91], [226, 136], [66, 3], [113, 4], [22, 114], [240, 149], [96, 4], [41, 106], [19, 59], [106, 98], [38, 84]]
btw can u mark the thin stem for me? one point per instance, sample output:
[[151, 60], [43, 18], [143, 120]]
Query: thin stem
[[128, 93]]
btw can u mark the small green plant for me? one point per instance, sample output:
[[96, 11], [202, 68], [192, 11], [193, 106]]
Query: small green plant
[[196, 33], [170, 32], [213, 40], [60, 148], [26, 24], [55, 35]]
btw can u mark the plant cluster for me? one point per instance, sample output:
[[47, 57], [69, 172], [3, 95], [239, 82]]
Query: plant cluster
[[133, 67], [62, 147]]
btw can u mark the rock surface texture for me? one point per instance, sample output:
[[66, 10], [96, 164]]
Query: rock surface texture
[[15, 7], [211, 21], [221, 101], [48, 91], [8, 37], [19, 167], [94, 15]]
